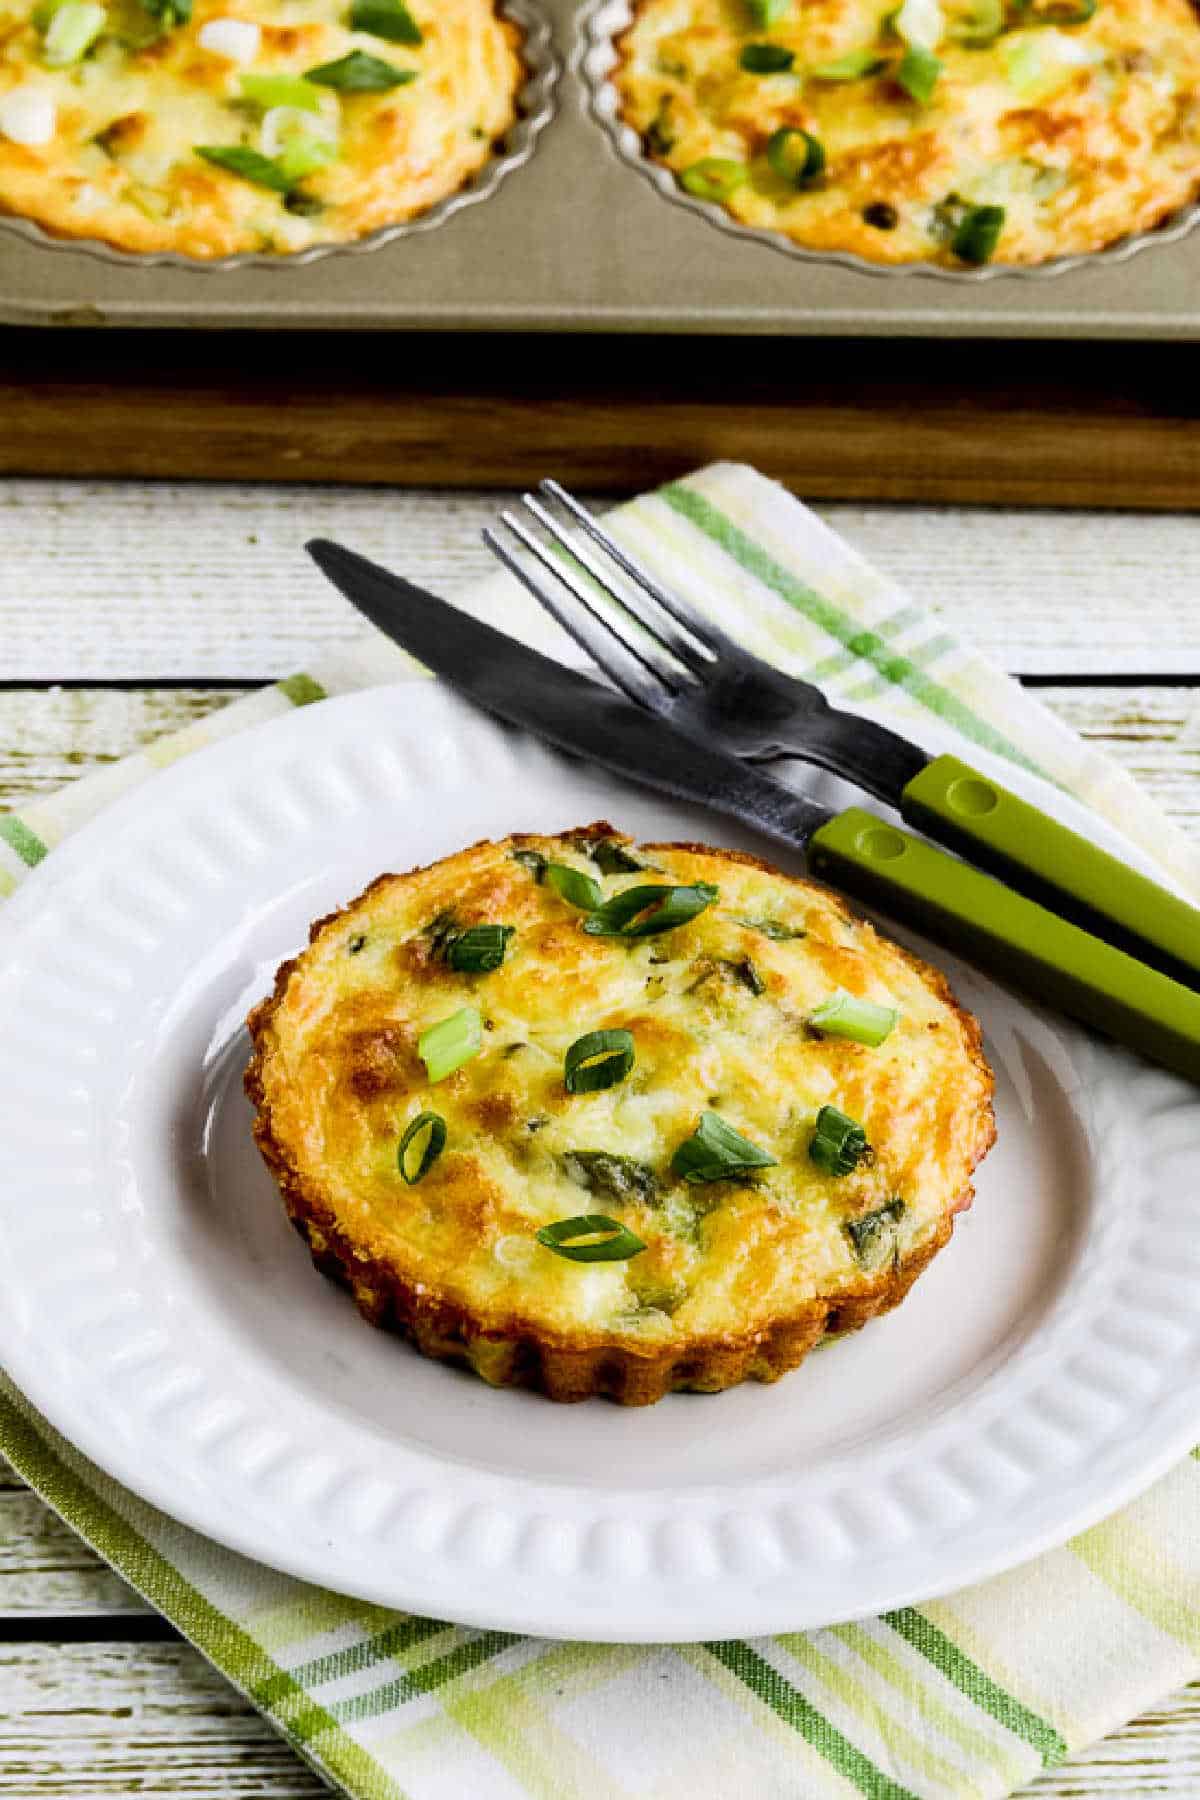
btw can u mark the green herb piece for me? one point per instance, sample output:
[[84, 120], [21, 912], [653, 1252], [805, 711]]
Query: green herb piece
[[980, 26], [168, 13], [861, 1020], [305, 206], [918, 74], [640, 912], [617, 1244], [479, 949], [713, 178], [716, 1152], [388, 19], [450, 1043], [874, 1235], [799, 159], [303, 155], [534, 861], [70, 32], [660, 141], [745, 972], [359, 73], [765, 13], [1053, 12], [612, 858], [766, 59], [599, 1059], [573, 887], [248, 165], [775, 929], [614, 1177], [880, 215], [978, 234], [852, 67], [426, 1137], [280, 90], [838, 1143], [356, 943]]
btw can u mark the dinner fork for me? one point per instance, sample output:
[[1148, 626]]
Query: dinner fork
[[668, 657]]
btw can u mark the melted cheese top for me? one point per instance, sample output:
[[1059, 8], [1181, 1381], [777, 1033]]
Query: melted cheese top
[[120, 160], [1081, 132], [342, 1078]]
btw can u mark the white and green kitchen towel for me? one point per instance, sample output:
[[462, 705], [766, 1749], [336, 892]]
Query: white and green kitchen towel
[[968, 1696]]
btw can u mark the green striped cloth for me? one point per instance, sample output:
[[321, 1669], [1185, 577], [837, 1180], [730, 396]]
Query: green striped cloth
[[970, 1696]]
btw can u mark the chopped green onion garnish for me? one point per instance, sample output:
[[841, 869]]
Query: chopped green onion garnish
[[72, 30], [716, 1152], [617, 1244], [797, 158], [1054, 12], [766, 13], [575, 888], [450, 1043], [533, 860], [389, 19], [612, 858], [599, 1059], [615, 1177], [713, 178], [303, 155], [250, 165], [844, 1016], [425, 1149], [748, 975], [875, 1233], [645, 911], [281, 90], [168, 12], [660, 140], [359, 73], [918, 74], [479, 949], [977, 236], [851, 67], [766, 59], [356, 943], [980, 26], [838, 1143], [774, 929]]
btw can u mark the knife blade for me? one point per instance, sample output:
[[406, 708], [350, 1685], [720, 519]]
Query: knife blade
[[947, 900]]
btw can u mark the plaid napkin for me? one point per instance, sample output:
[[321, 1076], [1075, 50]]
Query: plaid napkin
[[970, 1696]]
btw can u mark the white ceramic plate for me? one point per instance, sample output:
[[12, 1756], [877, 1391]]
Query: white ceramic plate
[[157, 1308]]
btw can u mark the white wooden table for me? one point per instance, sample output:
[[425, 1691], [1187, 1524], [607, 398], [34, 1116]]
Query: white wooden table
[[127, 609]]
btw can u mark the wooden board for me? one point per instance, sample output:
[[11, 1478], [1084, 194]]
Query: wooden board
[[1017, 424]]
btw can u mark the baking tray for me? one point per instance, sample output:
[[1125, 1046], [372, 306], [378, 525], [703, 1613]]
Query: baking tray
[[581, 238]]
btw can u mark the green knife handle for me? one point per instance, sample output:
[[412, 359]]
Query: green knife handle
[[983, 821], [1053, 960]]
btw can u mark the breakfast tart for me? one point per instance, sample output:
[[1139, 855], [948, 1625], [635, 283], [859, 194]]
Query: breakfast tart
[[214, 127], [953, 132], [603, 1118]]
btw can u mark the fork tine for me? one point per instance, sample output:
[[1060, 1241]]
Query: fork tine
[[682, 611], [628, 672], [668, 635]]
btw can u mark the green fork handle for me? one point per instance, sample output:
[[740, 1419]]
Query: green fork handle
[[1053, 960], [973, 814]]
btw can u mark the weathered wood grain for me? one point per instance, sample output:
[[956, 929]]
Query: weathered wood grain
[[106, 581]]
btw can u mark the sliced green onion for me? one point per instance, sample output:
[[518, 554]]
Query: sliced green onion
[[838, 1142], [748, 975], [980, 26], [415, 1167], [875, 1233], [797, 158], [610, 857], [617, 1244], [72, 30], [851, 67], [640, 912], [918, 74], [249, 165], [574, 887], [615, 1177], [479, 949], [660, 140], [303, 155], [1054, 12], [713, 178], [450, 1043], [533, 860], [766, 59], [388, 19], [977, 236], [168, 12], [716, 1152], [775, 929], [765, 13], [844, 1016], [281, 90], [359, 73], [357, 942], [599, 1059]]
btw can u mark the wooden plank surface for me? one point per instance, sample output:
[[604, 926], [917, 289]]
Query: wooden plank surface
[[106, 583], [1016, 424]]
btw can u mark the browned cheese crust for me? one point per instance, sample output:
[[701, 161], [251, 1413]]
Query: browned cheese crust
[[738, 1277]]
